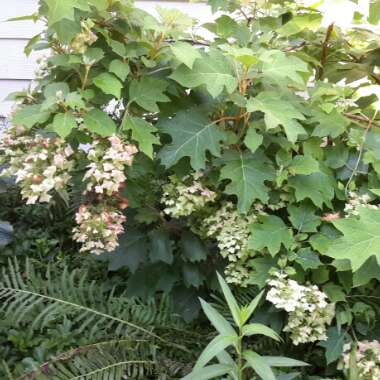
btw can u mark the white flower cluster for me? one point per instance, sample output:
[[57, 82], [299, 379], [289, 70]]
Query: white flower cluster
[[231, 230], [42, 68], [309, 312], [367, 359], [357, 201], [99, 226], [84, 39], [108, 160], [40, 164], [115, 108], [182, 197]]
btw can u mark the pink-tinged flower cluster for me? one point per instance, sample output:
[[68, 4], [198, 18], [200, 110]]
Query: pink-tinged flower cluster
[[367, 357], [99, 226], [40, 164], [309, 312], [108, 161]]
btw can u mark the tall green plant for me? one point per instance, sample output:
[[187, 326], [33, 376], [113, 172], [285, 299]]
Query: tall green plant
[[233, 338]]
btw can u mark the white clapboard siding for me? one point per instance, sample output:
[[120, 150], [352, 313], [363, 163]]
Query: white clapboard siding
[[16, 70]]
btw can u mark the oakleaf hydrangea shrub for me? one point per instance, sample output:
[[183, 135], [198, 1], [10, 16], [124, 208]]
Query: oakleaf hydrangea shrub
[[248, 144]]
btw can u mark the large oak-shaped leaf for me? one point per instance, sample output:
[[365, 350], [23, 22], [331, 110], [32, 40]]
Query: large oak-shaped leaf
[[143, 133], [329, 124], [148, 92], [247, 173], [278, 112], [318, 187], [279, 67], [360, 240], [59, 10], [192, 136], [271, 232], [213, 70], [99, 122]]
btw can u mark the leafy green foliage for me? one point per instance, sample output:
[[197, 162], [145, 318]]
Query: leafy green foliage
[[64, 123], [247, 175], [109, 84], [278, 112], [360, 239], [98, 122], [213, 70], [258, 118], [273, 227], [142, 133], [193, 135], [234, 336], [83, 303], [147, 92]]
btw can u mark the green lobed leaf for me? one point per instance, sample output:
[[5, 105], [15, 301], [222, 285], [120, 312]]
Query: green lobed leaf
[[334, 292], [192, 275], [331, 124], [64, 123], [99, 122], [109, 84], [271, 232], [161, 246], [279, 67], [119, 68], [301, 22], [247, 175], [192, 136], [259, 270], [142, 133], [368, 271], [192, 248], [360, 240], [58, 10], [185, 53], [278, 112], [336, 338], [302, 164], [52, 89], [253, 139], [318, 187], [29, 116], [131, 252], [213, 70], [308, 259], [148, 92], [303, 217]]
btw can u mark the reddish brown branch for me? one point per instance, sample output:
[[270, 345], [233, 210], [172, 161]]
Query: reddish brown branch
[[325, 50]]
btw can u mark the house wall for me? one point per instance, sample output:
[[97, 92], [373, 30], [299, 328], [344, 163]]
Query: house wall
[[17, 70]]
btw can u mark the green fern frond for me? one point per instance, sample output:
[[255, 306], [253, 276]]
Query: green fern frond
[[110, 360], [89, 305]]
